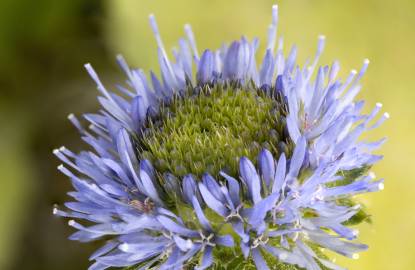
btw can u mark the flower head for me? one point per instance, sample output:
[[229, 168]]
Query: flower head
[[222, 157]]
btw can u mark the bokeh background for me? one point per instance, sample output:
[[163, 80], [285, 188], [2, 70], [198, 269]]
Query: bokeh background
[[44, 44]]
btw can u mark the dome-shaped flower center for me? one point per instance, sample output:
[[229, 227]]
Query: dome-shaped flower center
[[209, 131]]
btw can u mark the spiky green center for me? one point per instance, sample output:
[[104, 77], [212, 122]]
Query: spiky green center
[[210, 131]]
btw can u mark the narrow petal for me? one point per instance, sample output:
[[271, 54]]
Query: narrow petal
[[297, 159], [250, 178], [200, 215], [259, 260], [205, 68], [176, 228], [280, 174], [233, 186], [207, 259], [267, 166], [225, 240], [212, 202]]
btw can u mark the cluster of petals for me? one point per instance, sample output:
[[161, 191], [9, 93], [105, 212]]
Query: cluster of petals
[[124, 200]]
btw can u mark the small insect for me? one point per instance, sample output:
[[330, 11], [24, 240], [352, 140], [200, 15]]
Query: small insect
[[147, 206]]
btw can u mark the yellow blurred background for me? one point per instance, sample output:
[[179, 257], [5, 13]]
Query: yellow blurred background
[[43, 45]]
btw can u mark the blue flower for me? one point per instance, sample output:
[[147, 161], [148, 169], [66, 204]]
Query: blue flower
[[278, 203], [124, 200], [283, 207]]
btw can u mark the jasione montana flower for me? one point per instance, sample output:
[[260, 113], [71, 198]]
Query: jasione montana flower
[[223, 163]]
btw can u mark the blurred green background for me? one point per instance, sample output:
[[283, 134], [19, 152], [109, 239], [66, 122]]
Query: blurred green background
[[44, 44]]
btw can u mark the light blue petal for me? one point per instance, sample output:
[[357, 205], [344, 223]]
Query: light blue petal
[[205, 68], [260, 263], [213, 186], [189, 188], [250, 178], [233, 186], [212, 202], [200, 215], [173, 227], [207, 259], [225, 240], [297, 159], [279, 178], [261, 208], [267, 166]]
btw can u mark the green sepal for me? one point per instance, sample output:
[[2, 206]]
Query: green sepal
[[349, 176], [361, 216]]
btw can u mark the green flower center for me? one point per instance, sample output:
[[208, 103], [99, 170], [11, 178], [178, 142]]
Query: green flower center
[[211, 130]]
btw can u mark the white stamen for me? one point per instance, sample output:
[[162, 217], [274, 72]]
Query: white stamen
[[381, 186], [346, 84], [156, 32], [355, 232], [71, 222], [280, 43], [55, 210], [372, 175], [382, 119], [123, 64], [271, 38], [191, 38], [159, 41], [355, 256], [97, 80], [75, 122], [321, 43], [320, 48], [374, 112], [272, 29], [274, 14], [362, 71], [321, 37]]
